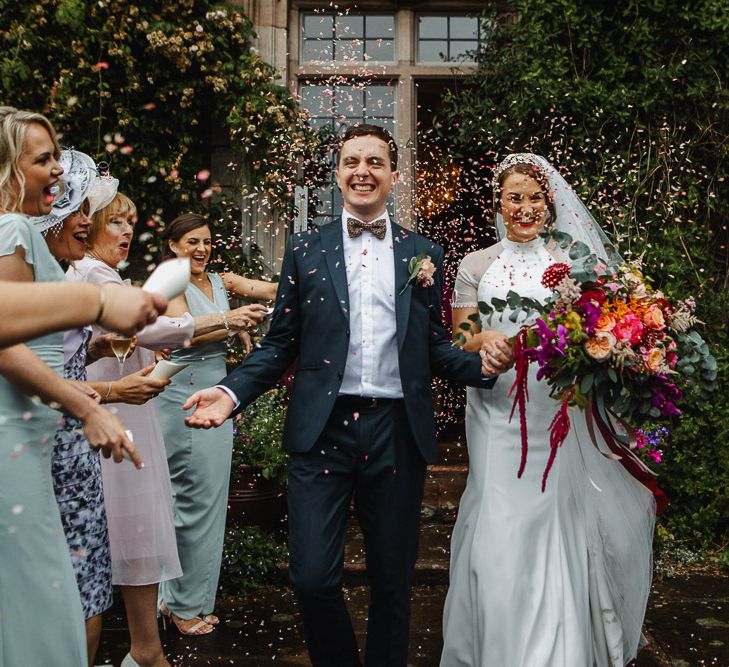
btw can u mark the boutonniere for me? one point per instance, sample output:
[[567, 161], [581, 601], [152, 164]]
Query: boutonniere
[[421, 270]]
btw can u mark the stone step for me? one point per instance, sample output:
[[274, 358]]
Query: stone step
[[452, 452], [444, 485], [433, 559]]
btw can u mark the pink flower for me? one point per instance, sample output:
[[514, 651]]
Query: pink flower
[[629, 329], [425, 275]]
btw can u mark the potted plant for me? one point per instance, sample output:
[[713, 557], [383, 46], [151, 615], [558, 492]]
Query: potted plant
[[257, 494]]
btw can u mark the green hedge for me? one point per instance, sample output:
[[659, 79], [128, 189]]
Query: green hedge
[[629, 100]]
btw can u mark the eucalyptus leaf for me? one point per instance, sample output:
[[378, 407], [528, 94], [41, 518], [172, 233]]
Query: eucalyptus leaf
[[484, 308], [513, 300], [586, 383], [579, 249]]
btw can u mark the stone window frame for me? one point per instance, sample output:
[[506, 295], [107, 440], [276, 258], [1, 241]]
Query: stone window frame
[[404, 72]]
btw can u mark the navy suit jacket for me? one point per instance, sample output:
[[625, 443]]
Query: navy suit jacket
[[311, 321]]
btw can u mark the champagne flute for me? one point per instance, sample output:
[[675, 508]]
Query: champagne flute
[[120, 346]]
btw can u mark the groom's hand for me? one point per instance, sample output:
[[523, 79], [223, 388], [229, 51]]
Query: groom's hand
[[212, 407], [497, 357]]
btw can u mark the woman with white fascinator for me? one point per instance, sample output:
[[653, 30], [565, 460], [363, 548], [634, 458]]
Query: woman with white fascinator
[[539, 579], [76, 467]]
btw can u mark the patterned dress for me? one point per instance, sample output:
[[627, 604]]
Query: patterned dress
[[77, 482]]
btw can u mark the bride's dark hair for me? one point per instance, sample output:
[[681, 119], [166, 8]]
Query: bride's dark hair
[[534, 172]]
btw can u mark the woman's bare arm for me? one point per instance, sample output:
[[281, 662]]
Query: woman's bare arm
[[261, 290]]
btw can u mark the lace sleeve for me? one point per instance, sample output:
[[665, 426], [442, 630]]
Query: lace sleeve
[[470, 272]]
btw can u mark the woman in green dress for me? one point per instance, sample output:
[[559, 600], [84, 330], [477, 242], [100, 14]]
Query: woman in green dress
[[41, 622], [199, 461]]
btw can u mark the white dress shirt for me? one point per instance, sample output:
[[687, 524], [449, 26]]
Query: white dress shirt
[[372, 367]]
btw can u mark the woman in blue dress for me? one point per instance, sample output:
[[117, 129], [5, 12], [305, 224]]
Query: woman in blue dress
[[199, 461], [41, 621]]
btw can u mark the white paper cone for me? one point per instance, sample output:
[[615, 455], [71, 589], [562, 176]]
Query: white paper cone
[[170, 278], [166, 369]]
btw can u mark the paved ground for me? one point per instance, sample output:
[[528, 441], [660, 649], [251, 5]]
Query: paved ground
[[687, 621]]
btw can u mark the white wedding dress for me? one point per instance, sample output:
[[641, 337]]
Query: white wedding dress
[[553, 579]]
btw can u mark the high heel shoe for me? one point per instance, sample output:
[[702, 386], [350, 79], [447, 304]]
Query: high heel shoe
[[200, 627], [129, 661]]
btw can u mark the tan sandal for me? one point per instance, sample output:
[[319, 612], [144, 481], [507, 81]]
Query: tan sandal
[[198, 627], [211, 619]]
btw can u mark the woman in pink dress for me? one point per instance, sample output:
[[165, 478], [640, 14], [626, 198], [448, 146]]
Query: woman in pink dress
[[139, 503]]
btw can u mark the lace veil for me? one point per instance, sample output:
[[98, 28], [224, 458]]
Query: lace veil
[[573, 218]]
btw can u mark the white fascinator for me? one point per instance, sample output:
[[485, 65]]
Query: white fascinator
[[103, 190], [79, 174]]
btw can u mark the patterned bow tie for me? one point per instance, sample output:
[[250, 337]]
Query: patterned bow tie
[[355, 227]]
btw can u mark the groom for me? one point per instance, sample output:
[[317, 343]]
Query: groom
[[360, 419]]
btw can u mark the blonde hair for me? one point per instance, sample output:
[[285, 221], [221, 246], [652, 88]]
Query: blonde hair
[[120, 205], [14, 125]]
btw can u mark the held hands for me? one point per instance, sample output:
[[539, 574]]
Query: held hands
[[129, 309], [497, 355], [137, 388], [246, 318], [212, 407]]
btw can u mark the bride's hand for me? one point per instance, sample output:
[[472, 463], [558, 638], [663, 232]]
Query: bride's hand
[[497, 355]]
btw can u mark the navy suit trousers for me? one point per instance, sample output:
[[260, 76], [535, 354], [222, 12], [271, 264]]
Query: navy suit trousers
[[368, 455]]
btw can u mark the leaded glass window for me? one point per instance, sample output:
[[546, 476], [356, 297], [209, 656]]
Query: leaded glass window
[[450, 38], [348, 38], [333, 108]]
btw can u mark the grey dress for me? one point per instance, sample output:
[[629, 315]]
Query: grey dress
[[199, 468], [40, 612]]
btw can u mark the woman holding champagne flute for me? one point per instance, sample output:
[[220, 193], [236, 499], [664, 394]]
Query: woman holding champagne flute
[[139, 507], [76, 467]]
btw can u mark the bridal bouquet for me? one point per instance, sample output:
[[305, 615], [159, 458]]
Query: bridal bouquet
[[608, 343]]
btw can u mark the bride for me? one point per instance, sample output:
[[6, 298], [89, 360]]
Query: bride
[[558, 578]]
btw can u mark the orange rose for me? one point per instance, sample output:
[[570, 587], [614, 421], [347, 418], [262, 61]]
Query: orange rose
[[605, 323], [600, 345], [655, 359], [653, 318]]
